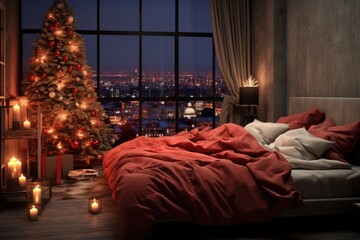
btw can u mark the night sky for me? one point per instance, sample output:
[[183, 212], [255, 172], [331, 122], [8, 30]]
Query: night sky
[[121, 53]]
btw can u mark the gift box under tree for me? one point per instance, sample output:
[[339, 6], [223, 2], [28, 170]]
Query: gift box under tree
[[56, 168]]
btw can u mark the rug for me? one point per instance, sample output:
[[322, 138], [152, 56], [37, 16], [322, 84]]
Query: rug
[[71, 189]]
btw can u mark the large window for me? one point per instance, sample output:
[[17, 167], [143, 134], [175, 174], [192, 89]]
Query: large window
[[154, 64]]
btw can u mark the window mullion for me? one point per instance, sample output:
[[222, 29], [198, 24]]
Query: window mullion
[[177, 65], [140, 69]]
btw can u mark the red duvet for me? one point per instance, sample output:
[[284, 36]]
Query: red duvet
[[210, 177]]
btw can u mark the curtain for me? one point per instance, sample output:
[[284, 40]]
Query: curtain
[[231, 30]]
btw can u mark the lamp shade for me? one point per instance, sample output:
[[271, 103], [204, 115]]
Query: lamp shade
[[249, 96]]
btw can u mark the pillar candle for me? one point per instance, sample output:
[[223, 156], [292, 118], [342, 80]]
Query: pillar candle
[[17, 169], [27, 124], [22, 181], [16, 117], [94, 206], [37, 195], [33, 213], [12, 167]]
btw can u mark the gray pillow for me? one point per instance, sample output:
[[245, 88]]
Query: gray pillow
[[266, 132], [299, 143]]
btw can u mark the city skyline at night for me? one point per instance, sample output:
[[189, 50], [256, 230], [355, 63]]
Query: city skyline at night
[[149, 71]]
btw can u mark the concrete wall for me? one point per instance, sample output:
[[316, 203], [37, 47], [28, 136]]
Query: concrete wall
[[268, 22], [319, 55], [323, 48], [12, 47]]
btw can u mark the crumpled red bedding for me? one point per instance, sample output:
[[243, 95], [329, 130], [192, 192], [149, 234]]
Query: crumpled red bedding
[[218, 176]]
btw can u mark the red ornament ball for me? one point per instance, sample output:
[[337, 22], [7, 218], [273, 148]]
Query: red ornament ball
[[74, 58], [70, 68], [52, 43], [89, 142], [78, 67], [66, 57], [93, 114], [75, 90], [96, 142], [32, 78], [57, 53], [51, 28], [43, 75], [75, 144], [57, 24], [81, 128], [70, 32]]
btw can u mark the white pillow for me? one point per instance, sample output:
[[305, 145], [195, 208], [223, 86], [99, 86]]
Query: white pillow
[[299, 143], [266, 132]]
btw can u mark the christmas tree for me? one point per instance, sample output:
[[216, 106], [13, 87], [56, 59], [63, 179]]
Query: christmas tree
[[60, 83]]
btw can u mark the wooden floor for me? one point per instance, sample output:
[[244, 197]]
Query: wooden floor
[[65, 218], [61, 219]]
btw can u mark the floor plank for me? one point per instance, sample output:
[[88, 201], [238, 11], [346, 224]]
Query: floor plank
[[66, 217]]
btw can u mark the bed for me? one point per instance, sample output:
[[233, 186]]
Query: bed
[[342, 111], [233, 175]]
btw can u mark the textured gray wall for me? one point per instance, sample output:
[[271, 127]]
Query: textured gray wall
[[268, 23], [262, 54], [304, 48], [323, 48]]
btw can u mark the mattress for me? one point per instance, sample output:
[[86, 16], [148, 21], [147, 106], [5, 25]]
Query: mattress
[[330, 183]]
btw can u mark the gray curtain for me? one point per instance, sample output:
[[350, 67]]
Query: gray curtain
[[231, 29]]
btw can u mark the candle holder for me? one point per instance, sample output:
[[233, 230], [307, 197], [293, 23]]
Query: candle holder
[[16, 117], [94, 205], [22, 181], [13, 172], [33, 211], [39, 192]]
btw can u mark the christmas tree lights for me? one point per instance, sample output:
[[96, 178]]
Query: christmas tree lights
[[60, 82]]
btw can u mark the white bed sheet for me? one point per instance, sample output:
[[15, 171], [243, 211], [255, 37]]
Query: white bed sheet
[[330, 183]]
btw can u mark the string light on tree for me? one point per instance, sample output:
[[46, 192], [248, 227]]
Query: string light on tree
[[60, 79]]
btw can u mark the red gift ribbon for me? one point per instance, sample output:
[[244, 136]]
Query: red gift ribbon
[[43, 167], [58, 168]]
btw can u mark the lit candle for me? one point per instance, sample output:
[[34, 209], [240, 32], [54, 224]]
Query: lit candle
[[22, 181], [16, 117], [33, 213], [27, 124], [17, 169], [37, 195], [94, 206], [12, 167]]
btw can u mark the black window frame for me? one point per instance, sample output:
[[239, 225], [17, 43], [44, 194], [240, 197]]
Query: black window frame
[[176, 34]]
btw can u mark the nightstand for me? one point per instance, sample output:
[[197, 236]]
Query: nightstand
[[247, 118]]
